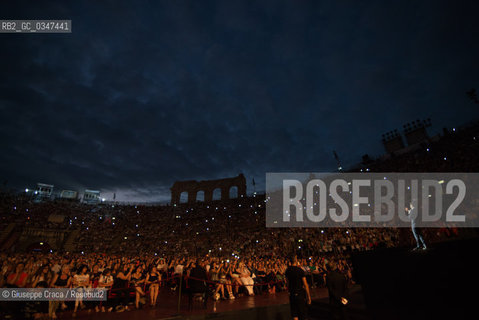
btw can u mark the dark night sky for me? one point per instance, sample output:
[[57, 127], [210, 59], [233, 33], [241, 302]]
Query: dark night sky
[[144, 93]]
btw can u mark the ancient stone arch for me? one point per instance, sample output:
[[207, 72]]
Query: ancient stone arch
[[192, 187]]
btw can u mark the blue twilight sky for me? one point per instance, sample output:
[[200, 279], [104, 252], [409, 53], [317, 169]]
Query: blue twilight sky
[[143, 93]]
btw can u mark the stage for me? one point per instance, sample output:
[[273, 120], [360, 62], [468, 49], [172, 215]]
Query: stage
[[440, 282]]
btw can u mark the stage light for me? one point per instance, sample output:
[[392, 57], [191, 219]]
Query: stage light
[[26, 190]]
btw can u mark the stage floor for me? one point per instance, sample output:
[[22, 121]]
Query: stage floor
[[168, 304]]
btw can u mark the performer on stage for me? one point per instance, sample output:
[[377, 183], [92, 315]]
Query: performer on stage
[[412, 213]]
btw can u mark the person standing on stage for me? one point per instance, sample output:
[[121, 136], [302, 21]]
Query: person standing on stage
[[412, 213], [299, 295]]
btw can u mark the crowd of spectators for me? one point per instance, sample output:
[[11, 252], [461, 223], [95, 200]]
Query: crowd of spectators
[[138, 250]]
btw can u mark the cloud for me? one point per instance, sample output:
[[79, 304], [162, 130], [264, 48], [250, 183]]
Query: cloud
[[143, 94]]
